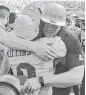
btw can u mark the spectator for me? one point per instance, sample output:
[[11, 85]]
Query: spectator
[[72, 28], [80, 22], [4, 18]]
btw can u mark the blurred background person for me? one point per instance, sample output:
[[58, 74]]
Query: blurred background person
[[4, 18], [80, 22], [70, 21], [75, 24]]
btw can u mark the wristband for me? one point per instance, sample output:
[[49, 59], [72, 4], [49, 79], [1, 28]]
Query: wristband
[[41, 81]]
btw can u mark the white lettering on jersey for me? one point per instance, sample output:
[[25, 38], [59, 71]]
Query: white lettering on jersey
[[14, 53]]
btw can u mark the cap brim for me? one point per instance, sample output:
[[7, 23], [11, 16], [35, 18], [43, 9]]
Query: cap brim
[[11, 86], [54, 23]]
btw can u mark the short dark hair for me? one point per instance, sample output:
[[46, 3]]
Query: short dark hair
[[12, 17], [3, 11]]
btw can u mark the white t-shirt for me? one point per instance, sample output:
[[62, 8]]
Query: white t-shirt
[[18, 59]]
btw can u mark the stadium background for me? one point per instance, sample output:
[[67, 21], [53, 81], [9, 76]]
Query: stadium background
[[71, 5]]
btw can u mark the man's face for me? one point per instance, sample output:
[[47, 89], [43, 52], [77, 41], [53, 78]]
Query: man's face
[[81, 23], [50, 30]]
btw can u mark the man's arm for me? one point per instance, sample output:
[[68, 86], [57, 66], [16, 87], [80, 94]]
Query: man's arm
[[63, 80], [19, 44], [67, 79], [42, 50], [71, 77], [75, 64]]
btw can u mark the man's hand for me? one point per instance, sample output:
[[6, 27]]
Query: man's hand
[[31, 85], [44, 51]]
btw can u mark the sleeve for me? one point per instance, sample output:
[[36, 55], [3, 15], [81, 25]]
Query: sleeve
[[74, 52]]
